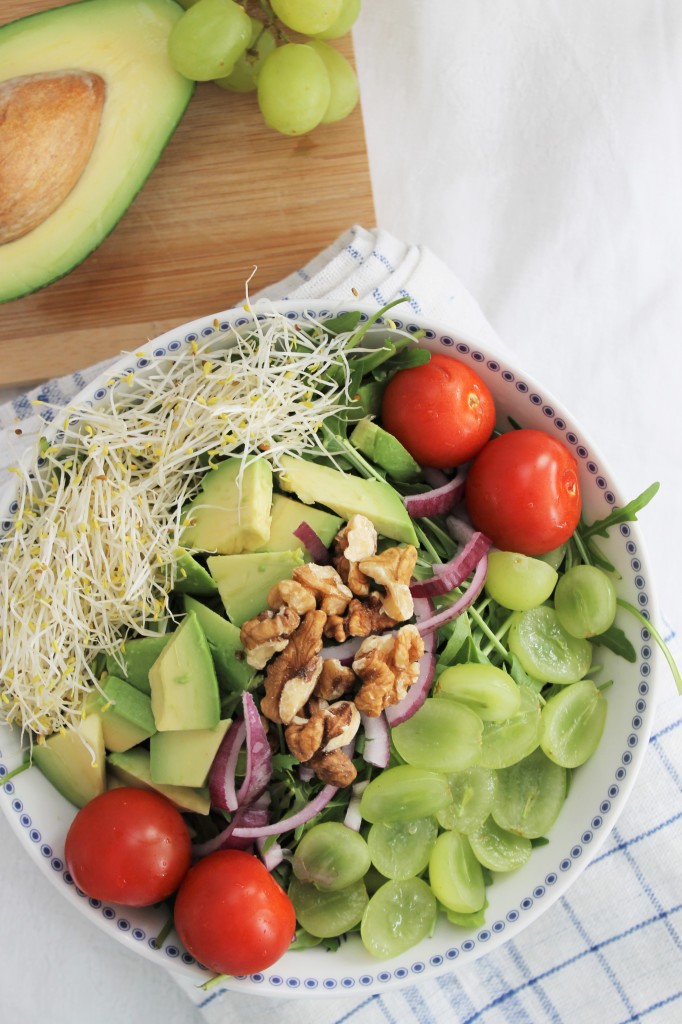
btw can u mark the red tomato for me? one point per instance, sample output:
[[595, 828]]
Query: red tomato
[[523, 491], [129, 846], [442, 412], [231, 914]]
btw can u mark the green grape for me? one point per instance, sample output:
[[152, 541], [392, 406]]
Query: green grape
[[398, 916], [293, 89], [554, 557], [404, 793], [326, 914], [544, 648], [350, 9], [187, 3], [455, 875], [573, 723], [309, 17], [585, 601], [342, 80], [487, 690], [499, 850], [519, 582], [244, 75], [331, 856], [442, 736], [401, 849], [505, 743], [208, 38], [529, 795], [473, 792]]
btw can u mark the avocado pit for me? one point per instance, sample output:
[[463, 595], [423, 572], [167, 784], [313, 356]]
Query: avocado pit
[[48, 127]]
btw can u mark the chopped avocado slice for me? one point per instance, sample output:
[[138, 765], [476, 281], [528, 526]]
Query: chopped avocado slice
[[184, 686], [348, 495], [132, 767], [191, 577], [184, 758], [385, 450], [136, 658], [77, 772], [231, 513], [287, 516], [244, 580], [234, 672], [124, 43], [126, 714]]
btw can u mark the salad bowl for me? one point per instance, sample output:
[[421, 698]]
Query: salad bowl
[[599, 790]]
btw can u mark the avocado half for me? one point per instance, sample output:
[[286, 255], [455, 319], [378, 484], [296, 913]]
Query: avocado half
[[124, 42]]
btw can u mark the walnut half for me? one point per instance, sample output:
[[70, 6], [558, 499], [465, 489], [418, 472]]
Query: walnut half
[[388, 666]]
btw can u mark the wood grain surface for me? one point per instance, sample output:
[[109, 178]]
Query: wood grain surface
[[227, 195]]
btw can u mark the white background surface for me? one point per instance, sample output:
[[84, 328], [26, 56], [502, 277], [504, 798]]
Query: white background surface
[[535, 146]]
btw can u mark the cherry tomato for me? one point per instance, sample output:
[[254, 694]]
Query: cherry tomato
[[129, 846], [231, 915], [442, 411], [523, 491]]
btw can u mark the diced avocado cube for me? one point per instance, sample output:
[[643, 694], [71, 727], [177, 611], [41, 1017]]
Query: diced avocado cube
[[385, 450], [136, 658], [126, 714], [231, 513], [229, 658], [349, 495], [77, 772], [184, 758], [244, 580], [184, 685], [191, 577], [132, 768], [287, 516]]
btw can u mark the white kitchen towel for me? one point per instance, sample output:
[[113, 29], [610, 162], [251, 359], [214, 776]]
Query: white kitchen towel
[[610, 952]]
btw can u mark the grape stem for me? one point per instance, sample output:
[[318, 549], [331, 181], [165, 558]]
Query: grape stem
[[657, 637]]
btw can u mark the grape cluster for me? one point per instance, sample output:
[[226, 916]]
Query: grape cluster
[[278, 49]]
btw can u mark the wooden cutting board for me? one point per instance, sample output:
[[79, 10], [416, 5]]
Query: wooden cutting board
[[227, 195]]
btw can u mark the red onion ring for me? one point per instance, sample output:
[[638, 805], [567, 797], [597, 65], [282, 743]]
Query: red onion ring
[[451, 574], [258, 755], [317, 804], [377, 748], [221, 777], [438, 501], [313, 543], [473, 590]]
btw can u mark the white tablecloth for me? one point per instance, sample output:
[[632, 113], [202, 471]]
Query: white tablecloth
[[535, 147]]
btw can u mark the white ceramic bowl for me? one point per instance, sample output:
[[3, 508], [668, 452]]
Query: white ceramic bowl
[[41, 817]]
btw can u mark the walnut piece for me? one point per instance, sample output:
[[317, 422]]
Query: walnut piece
[[341, 723], [334, 768], [388, 666], [393, 570], [367, 617], [266, 634], [305, 738], [298, 663], [324, 582], [335, 680], [357, 540], [290, 594]]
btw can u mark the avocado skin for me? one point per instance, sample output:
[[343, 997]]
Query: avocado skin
[[67, 38]]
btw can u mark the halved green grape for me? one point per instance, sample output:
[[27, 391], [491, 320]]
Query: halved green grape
[[519, 582], [487, 690], [293, 89], [401, 849], [208, 38], [573, 723], [348, 15], [326, 914], [473, 792], [442, 736], [331, 856], [404, 793], [505, 743], [554, 557], [499, 850], [585, 601], [544, 648], [398, 916], [309, 17], [342, 79], [455, 875], [529, 795], [244, 75]]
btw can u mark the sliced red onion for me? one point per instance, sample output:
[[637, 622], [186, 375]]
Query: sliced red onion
[[439, 500], [313, 543], [258, 755], [221, 777], [273, 856], [451, 574], [377, 748], [353, 818], [435, 477], [317, 804], [459, 529], [427, 626], [226, 840], [421, 687], [345, 652]]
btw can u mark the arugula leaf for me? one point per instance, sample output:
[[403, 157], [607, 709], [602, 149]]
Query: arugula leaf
[[615, 640], [627, 514], [343, 323]]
